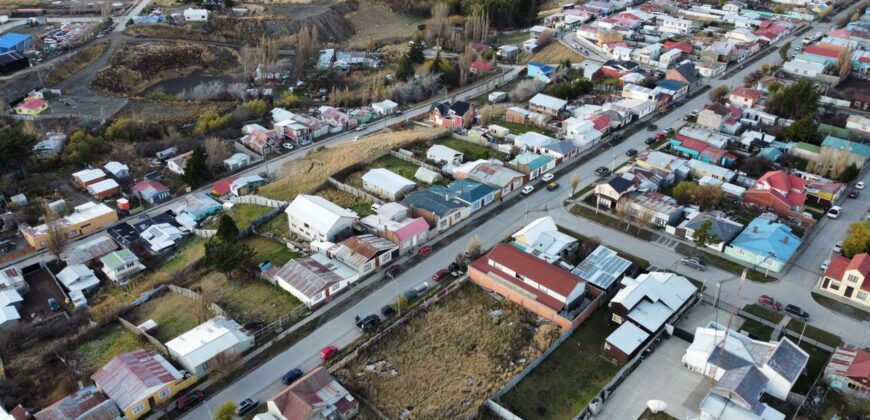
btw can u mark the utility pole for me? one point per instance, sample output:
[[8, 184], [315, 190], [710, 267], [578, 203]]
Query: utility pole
[[727, 327]]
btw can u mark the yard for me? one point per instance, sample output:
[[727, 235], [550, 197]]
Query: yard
[[268, 250], [399, 166], [375, 22], [170, 311], [347, 200], [555, 53], [470, 150], [517, 128], [448, 360], [763, 313], [190, 251], [252, 300], [815, 366], [814, 333], [278, 226], [566, 382], [242, 214], [115, 340], [756, 329]]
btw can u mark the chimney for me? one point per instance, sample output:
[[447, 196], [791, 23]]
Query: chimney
[[755, 229]]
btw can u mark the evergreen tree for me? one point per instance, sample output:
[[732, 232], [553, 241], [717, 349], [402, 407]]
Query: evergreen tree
[[437, 67], [196, 170], [406, 68], [228, 257], [15, 146], [227, 229], [416, 51]]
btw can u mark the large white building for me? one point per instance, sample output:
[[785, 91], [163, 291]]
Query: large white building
[[317, 219], [199, 349]]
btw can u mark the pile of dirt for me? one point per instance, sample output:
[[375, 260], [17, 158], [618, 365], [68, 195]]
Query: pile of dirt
[[138, 66]]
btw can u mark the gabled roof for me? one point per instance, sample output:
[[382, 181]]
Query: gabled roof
[[620, 184], [851, 362], [602, 267], [744, 386], [84, 404], [840, 264], [467, 190], [433, 202], [782, 181], [843, 144], [490, 173], [762, 236], [687, 71], [317, 211], [315, 392], [722, 228], [207, 340], [134, 376], [664, 294], [358, 250], [745, 92], [311, 275], [118, 258], [548, 101], [682, 46], [89, 249], [388, 180]]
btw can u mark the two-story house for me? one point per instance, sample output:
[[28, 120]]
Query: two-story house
[[847, 278]]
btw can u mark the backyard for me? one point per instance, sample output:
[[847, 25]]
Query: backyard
[[171, 313], [242, 214], [815, 366], [346, 200], [250, 300], [448, 360], [113, 341], [399, 166], [471, 151], [517, 128], [566, 382]]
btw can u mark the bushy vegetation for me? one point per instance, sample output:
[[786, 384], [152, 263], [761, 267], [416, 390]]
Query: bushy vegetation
[[211, 121]]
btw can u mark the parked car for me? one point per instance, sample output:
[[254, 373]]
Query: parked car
[[291, 376], [649, 141], [765, 300], [387, 311], [838, 247], [186, 401], [601, 171], [53, 305], [797, 312], [246, 405], [527, 190], [652, 127], [825, 265], [860, 185], [368, 323], [854, 194], [679, 102], [287, 146], [552, 186], [834, 212], [425, 250], [693, 262], [393, 271], [440, 275], [328, 352], [547, 177], [630, 152], [360, 127]]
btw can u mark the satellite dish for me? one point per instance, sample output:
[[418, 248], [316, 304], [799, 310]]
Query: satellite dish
[[656, 405]]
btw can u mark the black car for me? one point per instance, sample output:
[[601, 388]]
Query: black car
[[368, 323], [797, 312], [387, 311], [679, 103], [630, 152], [291, 376], [649, 141], [393, 271], [246, 405], [53, 305], [652, 127], [601, 170]]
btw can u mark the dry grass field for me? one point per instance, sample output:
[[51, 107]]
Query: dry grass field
[[301, 176], [83, 58], [555, 53], [448, 360], [375, 22]]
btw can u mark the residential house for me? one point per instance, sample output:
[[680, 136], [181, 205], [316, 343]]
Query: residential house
[[161, 237], [481, 66], [222, 187], [745, 97], [648, 302], [385, 107], [517, 115], [104, 189], [531, 164], [12, 289], [632, 108], [452, 116], [195, 15], [547, 105], [700, 133], [654, 208], [685, 73], [387, 184], [858, 124], [822, 192], [316, 395], [847, 278], [543, 239], [492, 174], [85, 219], [781, 192], [120, 266], [711, 69], [672, 88], [363, 115], [581, 132], [538, 143], [364, 253], [117, 169], [722, 229], [237, 161], [444, 155], [674, 25], [675, 168], [195, 208], [140, 381], [858, 153], [247, 184], [79, 280], [178, 163], [848, 371], [538, 286], [32, 107], [724, 118], [151, 192], [262, 142], [197, 350], [317, 219], [507, 53], [765, 244], [88, 250], [391, 221], [314, 279], [696, 149], [336, 118], [602, 268], [469, 192], [670, 57], [632, 91], [540, 71], [86, 177], [85, 404], [803, 67], [440, 211]]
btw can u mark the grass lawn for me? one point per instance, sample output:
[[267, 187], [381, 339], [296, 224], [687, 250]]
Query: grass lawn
[[189, 252], [249, 300], [399, 166], [814, 333], [726, 264], [470, 150], [758, 330], [517, 128], [815, 366], [113, 341], [840, 307], [764, 313], [511, 38], [566, 381], [347, 200], [448, 360], [242, 214], [171, 312], [269, 250], [278, 226]]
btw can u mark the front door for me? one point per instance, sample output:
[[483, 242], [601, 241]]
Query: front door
[[849, 291]]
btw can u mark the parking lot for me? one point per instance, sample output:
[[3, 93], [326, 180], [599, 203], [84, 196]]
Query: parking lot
[[42, 287]]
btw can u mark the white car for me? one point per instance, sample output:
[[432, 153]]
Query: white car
[[859, 185], [527, 190], [838, 247], [825, 264], [547, 177], [834, 212], [287, 146]]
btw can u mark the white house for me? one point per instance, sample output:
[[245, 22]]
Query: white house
[[673, 25], [315, 279], [117, 169], [387, 184], [195, 15], [237, 161], [637, 107], [803, 68], [581, 132], [317, 219], [87, 177], [12, 288], [547, 105], [385, 107], [197, 349], [78, 280], [632, 91], [177, 163], [120, 266], [443, 154], [161, 237]]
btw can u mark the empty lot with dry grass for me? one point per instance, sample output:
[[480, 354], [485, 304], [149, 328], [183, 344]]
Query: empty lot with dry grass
[[447, 361]]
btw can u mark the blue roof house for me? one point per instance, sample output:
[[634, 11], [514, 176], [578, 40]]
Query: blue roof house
[[532, 164], [474, 194], [439, 210], [764, 243], [197, 206], [539, 71], [858, 152], [674, 88], [15, 42]]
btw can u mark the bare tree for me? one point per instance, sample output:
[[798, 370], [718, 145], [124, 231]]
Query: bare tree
[[56, 237], [646, 218], [203, 307], [473, 248], [438, 25], [575, 181], [844, 62], [623, 212], [216, 151], [308, 42], [224, 363]]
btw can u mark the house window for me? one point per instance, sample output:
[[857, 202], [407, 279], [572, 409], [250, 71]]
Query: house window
[[852, 278], [862, 295], [165, 392], [368, 267], [616, 318], [835, 285], [139, 408]]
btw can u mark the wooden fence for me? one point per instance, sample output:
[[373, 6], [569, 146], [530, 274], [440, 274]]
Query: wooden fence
[[354, 191], [259, 200], [138, 331], [197, 297], [407, 156], [285, 320]]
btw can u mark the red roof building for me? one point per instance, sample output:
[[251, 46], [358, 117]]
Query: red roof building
[[745, 97], [780, 192], [133, 381], [601, 122], [682, 46], [317, 395], [538, 286], [824, 50], [481, 66], [849, 371], [222, 187], [847, 278]]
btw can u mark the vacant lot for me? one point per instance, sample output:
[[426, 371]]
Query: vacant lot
[[243, 215], [269, 250], [447, 361], [170, 311], [301, 176], [517, 128], [376, 23], [399, 166], [566, 381], [252, 300], [115, 340], [471, 151], [555, 53], [347, 200]]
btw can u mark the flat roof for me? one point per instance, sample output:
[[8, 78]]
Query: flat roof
[[627, 338]]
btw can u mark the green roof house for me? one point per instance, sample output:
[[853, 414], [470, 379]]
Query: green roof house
[[120, 266]]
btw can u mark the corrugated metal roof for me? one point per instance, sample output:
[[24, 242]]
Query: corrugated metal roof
[[358, 250], [134, 376]]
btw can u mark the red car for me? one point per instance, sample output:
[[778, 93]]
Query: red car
[[393, 271], [425, 250], [440, 275], [328, 352], [765, 300]]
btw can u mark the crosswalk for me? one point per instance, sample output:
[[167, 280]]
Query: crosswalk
[[665, 242]]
